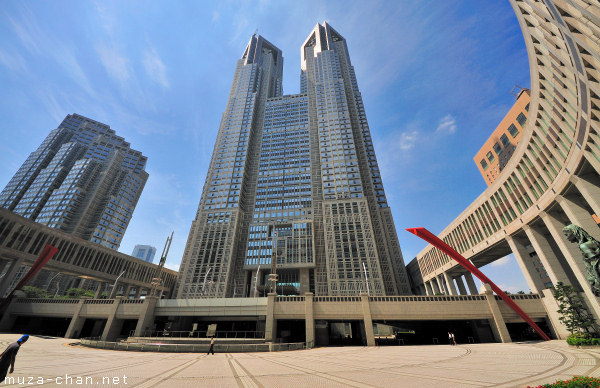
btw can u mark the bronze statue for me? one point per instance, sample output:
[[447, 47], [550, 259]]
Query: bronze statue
[[590, 249]]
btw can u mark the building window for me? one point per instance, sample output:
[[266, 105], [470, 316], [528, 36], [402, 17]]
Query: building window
[[527, 107], [484, 164], [490, 157], [521, 119], [513, 130], [497, 148], [504, 140]]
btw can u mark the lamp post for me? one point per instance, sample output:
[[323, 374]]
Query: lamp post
[[114, 286], [51, 279], [366, 278], [273, 275]]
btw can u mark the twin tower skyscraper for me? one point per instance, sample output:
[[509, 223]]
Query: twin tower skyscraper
[[296, 174]]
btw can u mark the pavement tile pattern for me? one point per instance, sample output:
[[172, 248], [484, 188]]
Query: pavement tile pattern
[[49, 362]]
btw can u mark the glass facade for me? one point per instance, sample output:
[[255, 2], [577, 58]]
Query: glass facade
[[83, 179], [293, 177]]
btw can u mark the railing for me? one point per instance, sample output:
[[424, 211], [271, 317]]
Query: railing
[[336, 299], [198, 334], [289, 299], [424, 298], [521, 296], [132, 301], [99, 301], [44, 300], [95, 342]]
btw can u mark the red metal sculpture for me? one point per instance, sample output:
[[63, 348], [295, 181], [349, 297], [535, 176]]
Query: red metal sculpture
[[47, 253], [447, 249]]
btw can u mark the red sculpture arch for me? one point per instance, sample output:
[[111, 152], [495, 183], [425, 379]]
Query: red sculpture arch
[[447, 249]]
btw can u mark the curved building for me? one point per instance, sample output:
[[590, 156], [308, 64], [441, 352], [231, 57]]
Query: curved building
[[552, 179]]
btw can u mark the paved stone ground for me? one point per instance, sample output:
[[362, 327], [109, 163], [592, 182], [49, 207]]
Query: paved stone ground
[[44, 359]]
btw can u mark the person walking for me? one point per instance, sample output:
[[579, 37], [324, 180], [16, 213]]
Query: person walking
[[453, 339], [7, 358], [212, 345], [450, 340]]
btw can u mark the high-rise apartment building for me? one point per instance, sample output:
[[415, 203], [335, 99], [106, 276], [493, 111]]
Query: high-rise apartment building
[[499, 147], [144, 252], [82, 179], [293, 177]]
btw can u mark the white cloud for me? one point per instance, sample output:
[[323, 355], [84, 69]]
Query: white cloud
[[216, 16], [511, 289], [407, 140], [155, 68], [115, 64], [500, 262], [174, 267], [28, 33], [447, 124], [13, 61]]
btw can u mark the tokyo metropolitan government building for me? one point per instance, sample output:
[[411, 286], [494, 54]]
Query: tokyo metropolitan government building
[[296, 174]]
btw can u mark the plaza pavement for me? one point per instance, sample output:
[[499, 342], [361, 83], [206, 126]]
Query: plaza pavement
[[43, 359]]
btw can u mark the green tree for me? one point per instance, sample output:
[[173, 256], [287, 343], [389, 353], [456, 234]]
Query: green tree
[[34, 292], [75, 293], [572, 310]]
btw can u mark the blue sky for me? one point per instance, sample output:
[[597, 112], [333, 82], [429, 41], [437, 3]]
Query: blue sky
[[435, 77]]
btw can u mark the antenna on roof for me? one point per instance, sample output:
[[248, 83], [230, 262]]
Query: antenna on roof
[[517, 90], [255, 32]]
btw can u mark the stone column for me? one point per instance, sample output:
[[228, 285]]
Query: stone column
[[559, 330], [471, 283], [442, 284], [366, 307], [270, 323], [304, 280], [99, 290], [589, 190], [497, 323], [9, 277], [435, 286], [77, 322], [138, 291], [579, 215], [113, 325], [146, 319], [574, 258], [526, 264], [461, 285], [8, 319], [549, 260], [127, 291], [309, 320], [428, 288], [450, 284]]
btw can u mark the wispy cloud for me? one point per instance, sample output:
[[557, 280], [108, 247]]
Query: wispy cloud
[[447, 125], [155, 68], [500, 262], [27, 32], [13, 61], [407, 140], [115, 64], [216, 16]]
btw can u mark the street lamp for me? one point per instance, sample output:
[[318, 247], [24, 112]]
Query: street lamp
[[114, 286]]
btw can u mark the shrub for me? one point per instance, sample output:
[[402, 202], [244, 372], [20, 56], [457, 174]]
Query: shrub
[[575, 382], [75, 293], [34, 292], [578, 339]]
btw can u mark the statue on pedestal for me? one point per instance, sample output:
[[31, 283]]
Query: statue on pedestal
[[590, 249]]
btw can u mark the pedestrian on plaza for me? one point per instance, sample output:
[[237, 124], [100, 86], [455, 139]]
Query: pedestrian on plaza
[[450, 338], [453, 340], [7, 358], [212, 345]]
